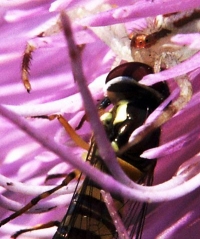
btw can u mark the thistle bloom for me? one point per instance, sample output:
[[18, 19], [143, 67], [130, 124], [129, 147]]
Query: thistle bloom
[[42, 147]]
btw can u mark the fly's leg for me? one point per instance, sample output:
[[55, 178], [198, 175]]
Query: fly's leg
[[53, 176], [131, 171], [35, 200], [101, 111], [37, 227], [70, 131], [81, 143]]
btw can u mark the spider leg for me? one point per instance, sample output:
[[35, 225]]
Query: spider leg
[[25, 68]]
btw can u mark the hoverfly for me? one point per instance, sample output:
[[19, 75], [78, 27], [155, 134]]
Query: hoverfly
[[118, 131], [87, 216]]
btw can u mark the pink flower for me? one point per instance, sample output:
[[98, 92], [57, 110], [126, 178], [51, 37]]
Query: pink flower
[[25, 162]]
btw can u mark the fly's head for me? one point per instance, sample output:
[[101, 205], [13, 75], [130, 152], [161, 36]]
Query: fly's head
[[123, 83]]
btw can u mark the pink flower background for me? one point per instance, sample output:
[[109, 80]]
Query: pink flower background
[[26, 163]]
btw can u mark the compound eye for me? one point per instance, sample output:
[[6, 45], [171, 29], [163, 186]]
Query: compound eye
[[134, 70]]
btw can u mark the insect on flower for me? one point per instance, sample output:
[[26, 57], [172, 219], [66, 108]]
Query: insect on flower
[[132, 103], [87, 216], [128, 97]]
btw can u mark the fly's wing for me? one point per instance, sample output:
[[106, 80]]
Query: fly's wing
[[87, 216], [134, 213]]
